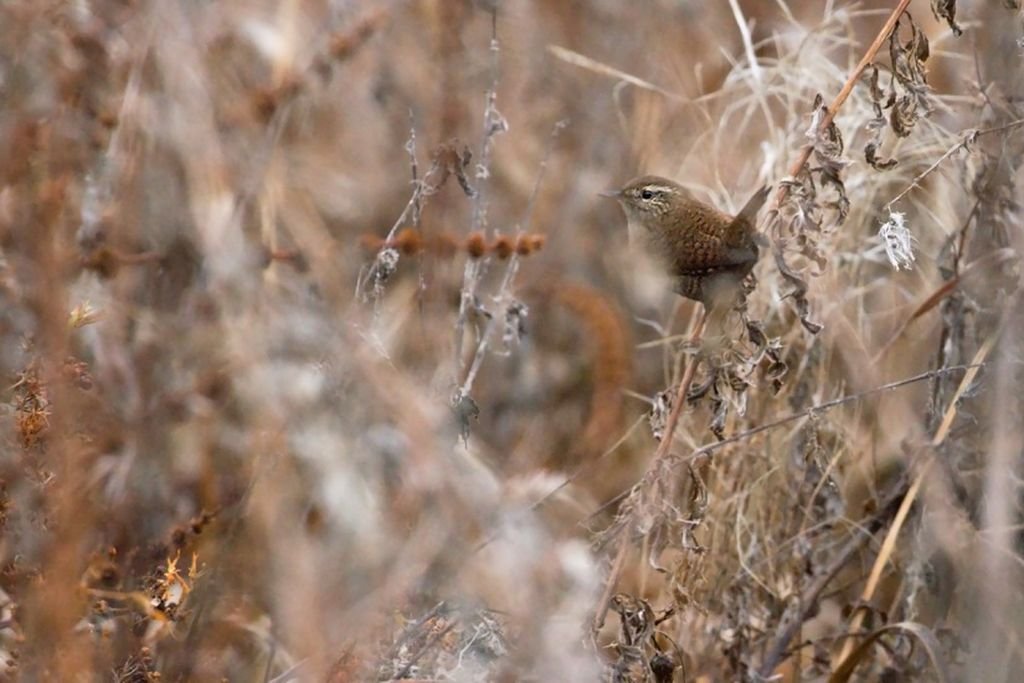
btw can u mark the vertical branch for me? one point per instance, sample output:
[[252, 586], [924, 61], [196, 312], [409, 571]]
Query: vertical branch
[[493, 124], [504, 296], [663, 450], [410, 148]]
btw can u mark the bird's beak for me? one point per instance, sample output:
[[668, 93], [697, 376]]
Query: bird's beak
[[611, 194]]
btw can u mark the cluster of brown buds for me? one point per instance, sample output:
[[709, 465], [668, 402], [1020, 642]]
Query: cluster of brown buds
[[410, 241]]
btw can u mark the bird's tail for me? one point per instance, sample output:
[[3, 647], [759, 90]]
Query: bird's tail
[[754, 204], [745, 223]]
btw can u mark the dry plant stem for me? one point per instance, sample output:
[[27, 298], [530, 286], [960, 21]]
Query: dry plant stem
[[890, 540], [414, 167], [748, 44], [475, 267], [421, 191], [470, 278], [576, 59], [840, 99], [481, 349], [663, 450], [992, 260], [491, 116], [609, 588], [50, 615]]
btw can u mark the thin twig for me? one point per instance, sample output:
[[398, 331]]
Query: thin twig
[[541, 171], [967, 138], [610, 583], [576, 59], [422, 189], [896, 508], [493, 124], [983, 264], [748, 44], [414, 168], [999, 129]]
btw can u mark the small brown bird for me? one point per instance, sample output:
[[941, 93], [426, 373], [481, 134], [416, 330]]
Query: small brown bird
[[706, 252]]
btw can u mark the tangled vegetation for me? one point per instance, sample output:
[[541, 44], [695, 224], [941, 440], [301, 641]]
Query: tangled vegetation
[[326, 362]]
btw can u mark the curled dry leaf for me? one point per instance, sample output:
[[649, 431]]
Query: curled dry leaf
[[454, 158], [767, 351], [515, 323], [910, 102], [660, 409], [803, 218], [448, 159], [828, 154], [799, 293], [636, 619], [877, 125], [729, 373], [465, 410], [946, 10], [639, 656]]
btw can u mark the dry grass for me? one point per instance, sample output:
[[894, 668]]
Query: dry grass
[[325, 361]]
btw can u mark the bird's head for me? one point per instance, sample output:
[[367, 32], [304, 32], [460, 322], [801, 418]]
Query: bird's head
[[648, 199]]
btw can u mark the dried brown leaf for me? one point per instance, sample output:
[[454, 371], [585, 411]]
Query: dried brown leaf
[[909, 72], [799, 293], [946, 10]]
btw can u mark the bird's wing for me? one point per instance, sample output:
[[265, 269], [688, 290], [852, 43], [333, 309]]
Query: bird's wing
[[705, 263], [725, 243], [710, 247], [736, 244], [723, 259]]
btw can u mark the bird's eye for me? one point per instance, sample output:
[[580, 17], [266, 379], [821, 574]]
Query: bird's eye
[[646, 194]]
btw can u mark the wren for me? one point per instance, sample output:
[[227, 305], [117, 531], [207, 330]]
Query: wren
[[707, 253]]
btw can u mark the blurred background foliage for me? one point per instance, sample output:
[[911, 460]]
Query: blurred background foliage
[[325, 361]]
